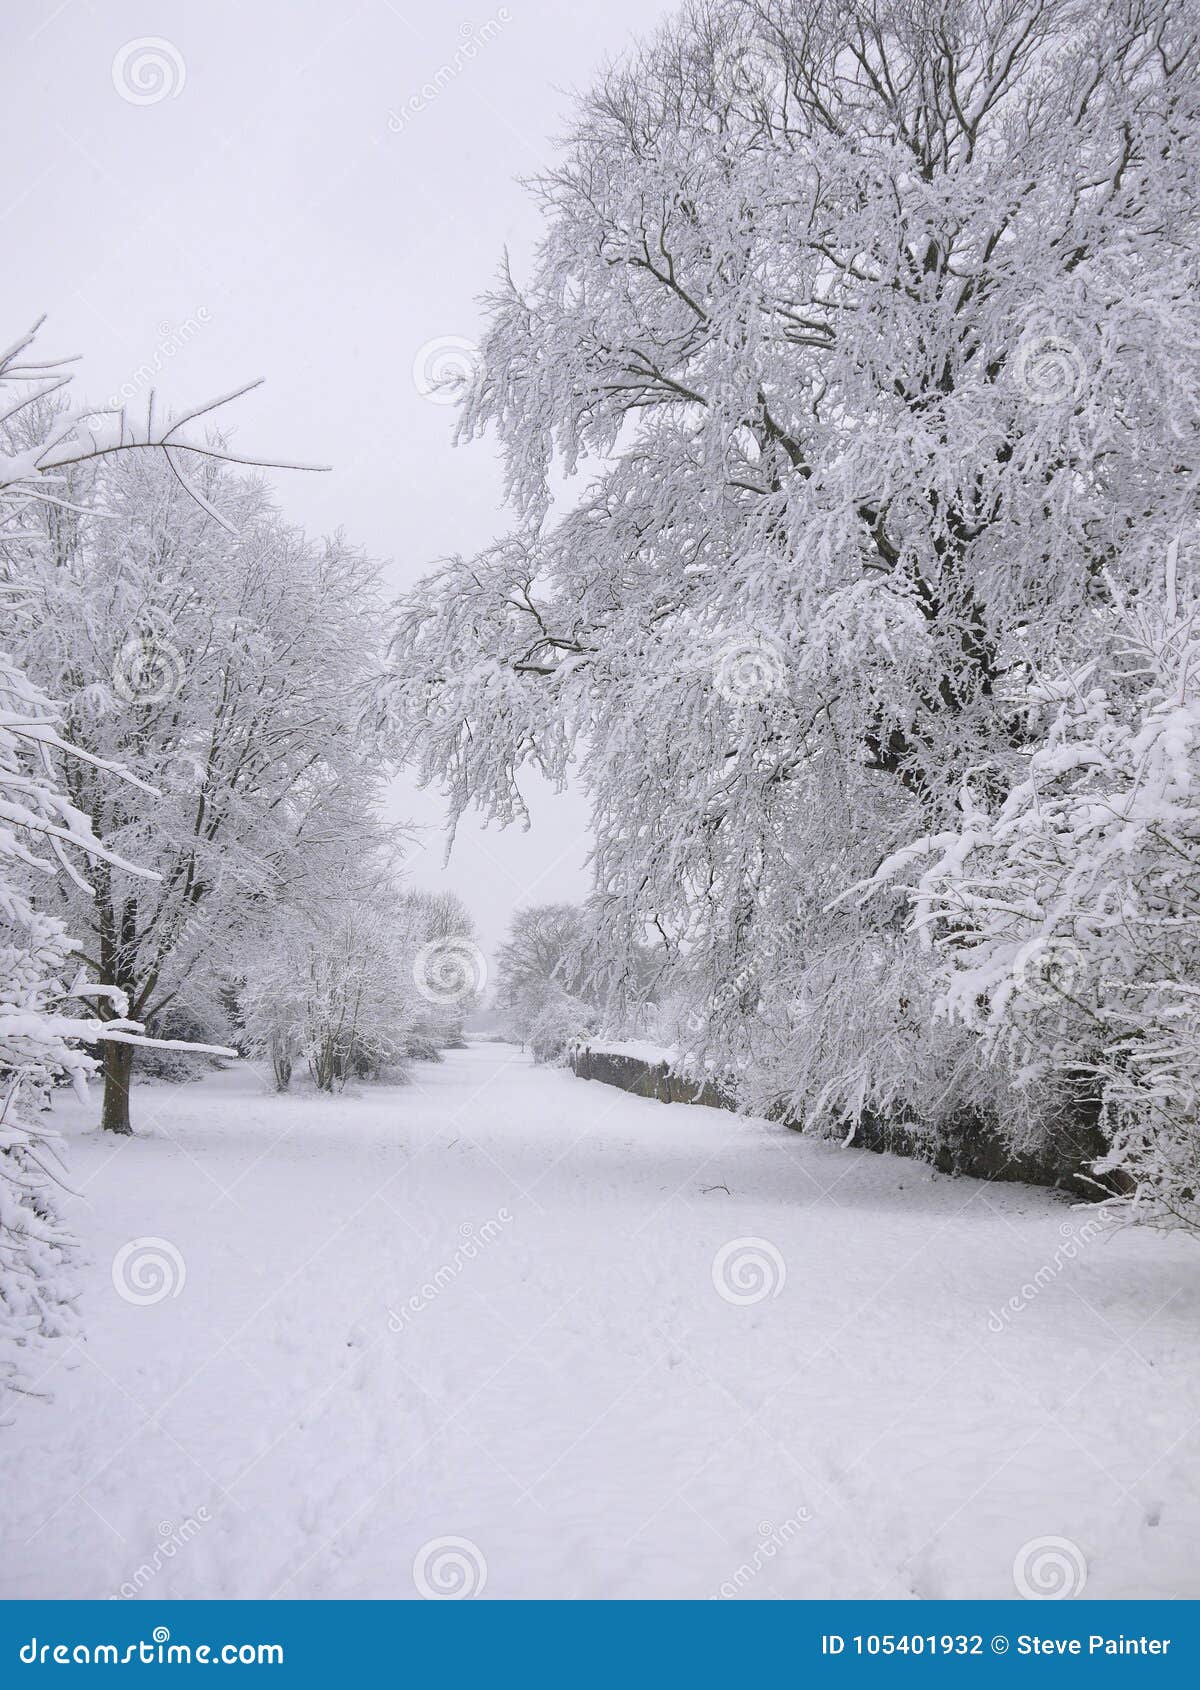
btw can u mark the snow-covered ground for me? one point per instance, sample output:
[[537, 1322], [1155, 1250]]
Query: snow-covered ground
[[501, 1305]]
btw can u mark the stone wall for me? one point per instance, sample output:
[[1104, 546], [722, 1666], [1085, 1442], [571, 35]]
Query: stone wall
[[967, 1148], [645, 1079]]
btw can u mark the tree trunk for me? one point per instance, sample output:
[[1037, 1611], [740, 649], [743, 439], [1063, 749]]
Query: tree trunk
[[118, 1071], [281, 1061]]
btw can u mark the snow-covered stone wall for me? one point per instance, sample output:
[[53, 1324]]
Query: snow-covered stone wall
[[968, 1148]]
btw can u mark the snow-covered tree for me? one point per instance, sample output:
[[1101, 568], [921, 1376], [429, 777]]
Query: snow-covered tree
[[327, 977], [43, 1018], [561, 1020], [1067, 920], [46, 1005], [445, 965], [329, 989], [878, 321], [543, 961], [219, 660]]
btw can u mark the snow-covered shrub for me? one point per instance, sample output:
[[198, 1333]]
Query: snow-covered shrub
[[561, 1019], [421, 1046], [436, 933], [326, 990], [1066, 921], [326, 980]]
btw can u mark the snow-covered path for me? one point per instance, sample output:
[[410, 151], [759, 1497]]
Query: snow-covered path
[[484, 1307]]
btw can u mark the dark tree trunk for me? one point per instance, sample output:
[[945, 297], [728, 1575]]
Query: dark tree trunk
[[118, 1071], [281, 1061]]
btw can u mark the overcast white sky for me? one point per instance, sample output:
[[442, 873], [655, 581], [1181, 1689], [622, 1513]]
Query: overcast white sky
[[262, 218]]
